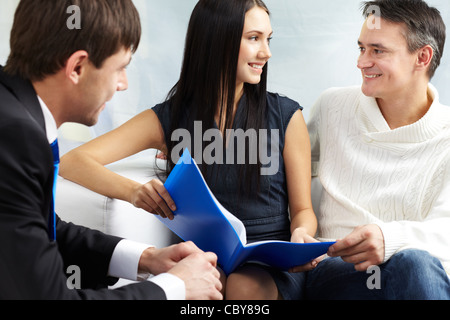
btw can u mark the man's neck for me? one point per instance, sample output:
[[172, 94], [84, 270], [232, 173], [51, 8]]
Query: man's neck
[[405, 110], [49, 90]]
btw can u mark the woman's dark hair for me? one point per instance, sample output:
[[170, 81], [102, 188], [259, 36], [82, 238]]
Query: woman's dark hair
[[42, 42], [209, 69], [424, 24]]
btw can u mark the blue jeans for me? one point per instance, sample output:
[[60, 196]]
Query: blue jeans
[[408, 275]]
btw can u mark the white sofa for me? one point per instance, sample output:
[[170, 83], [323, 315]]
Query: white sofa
[[79, 205]]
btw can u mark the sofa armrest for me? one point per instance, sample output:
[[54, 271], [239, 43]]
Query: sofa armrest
[[81, 206]]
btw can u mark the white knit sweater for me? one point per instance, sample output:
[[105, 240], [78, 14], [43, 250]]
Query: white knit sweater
[[398, 179]]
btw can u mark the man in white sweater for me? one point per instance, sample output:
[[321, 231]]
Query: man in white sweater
[[382, 153]]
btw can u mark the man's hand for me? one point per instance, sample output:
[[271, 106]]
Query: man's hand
[[364, 247], [156, 261], [200, 276], [186, 261]]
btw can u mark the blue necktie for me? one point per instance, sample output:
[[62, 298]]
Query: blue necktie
[[52, 218]]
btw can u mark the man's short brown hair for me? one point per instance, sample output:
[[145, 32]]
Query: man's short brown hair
[[42, 42]]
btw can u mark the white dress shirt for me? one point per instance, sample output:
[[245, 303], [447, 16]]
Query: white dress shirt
[[125, 259]]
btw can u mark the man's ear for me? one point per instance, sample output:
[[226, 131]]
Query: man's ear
[[76, 65], [424, 57]]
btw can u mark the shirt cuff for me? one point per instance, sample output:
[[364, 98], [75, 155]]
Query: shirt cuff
[[173, 286], [125, 259], [124, 264]]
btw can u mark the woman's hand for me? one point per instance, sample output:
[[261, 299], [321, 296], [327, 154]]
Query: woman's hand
[[154, 198], [300, 235]]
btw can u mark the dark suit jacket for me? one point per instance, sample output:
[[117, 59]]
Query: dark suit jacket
[[31, 266]]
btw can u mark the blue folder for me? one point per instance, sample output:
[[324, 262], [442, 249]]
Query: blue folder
[[200, 218]]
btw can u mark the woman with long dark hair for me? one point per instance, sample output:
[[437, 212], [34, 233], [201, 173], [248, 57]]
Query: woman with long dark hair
[[259, 168]]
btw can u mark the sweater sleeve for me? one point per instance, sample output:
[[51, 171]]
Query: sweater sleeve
[[431, 234]]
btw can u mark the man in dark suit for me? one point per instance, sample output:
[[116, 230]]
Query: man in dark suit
[[58, 74]]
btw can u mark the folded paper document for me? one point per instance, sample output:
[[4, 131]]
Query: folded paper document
[[200, 218]]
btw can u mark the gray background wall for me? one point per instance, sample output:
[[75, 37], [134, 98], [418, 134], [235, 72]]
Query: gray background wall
[[314, 47]]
